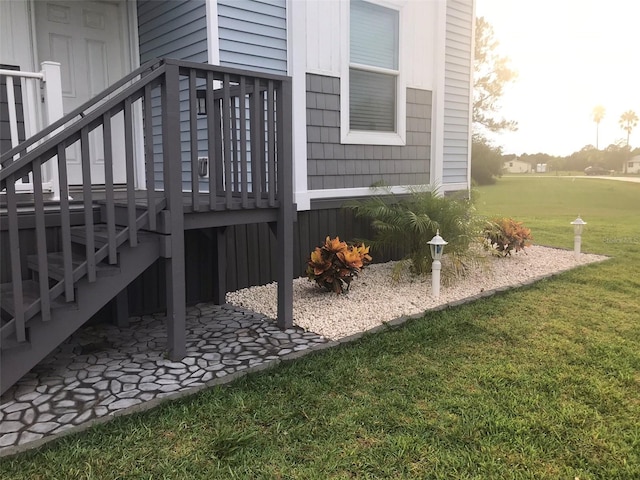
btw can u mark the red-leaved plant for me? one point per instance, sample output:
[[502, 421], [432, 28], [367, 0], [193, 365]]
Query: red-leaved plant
[[334, 265], [504, 235]]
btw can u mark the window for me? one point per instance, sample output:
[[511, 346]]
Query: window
[[373, 86]]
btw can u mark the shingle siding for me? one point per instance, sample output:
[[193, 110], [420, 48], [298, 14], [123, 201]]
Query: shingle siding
[[332, 165], [253, 34]]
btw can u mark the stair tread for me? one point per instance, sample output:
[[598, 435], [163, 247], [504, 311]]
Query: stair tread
[[101, 235], [55, 262], [30, 295]]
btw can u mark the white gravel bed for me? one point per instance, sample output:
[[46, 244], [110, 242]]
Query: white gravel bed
[[375, 298]]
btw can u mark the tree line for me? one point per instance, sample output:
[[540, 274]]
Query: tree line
[[492, 73]]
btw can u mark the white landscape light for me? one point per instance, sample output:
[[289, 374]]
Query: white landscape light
[[436, 244], [578, 226]]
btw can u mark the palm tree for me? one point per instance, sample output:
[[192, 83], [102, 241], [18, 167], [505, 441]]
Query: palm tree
[[628, 121], [598, 115]]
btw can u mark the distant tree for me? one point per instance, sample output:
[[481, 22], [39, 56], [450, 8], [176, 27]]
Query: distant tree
[[615, 155], [491, 74], [486, 162], [598, 115], [628, 121], [585, 157]]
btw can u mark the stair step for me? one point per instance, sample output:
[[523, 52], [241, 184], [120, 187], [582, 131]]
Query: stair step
[[30, 296], [56, 265], [44, 337], [101, 236]]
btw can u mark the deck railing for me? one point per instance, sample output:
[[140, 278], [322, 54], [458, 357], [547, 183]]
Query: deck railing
[[27, 114], [242, 135]]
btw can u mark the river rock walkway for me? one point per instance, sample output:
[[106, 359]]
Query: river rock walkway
[[103, 370]]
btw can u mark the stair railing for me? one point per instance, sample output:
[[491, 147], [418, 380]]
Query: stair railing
[[243, 131]]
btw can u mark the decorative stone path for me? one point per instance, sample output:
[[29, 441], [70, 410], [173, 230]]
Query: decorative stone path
[[103, 370]]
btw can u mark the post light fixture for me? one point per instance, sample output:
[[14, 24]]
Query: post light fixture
[[201, 102], [436, 244], [578, 226]]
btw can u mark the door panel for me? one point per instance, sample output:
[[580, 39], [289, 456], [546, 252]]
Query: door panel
[[89, 41]]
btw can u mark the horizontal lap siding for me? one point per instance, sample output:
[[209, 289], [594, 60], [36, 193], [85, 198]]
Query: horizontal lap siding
[[458, 75], [332, 165], [253, 35], [174, 29]]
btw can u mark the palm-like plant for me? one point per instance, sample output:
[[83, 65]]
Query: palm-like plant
[[409, 222], [628, 121], [598, 115]]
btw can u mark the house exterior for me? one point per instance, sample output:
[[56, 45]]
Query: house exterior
[[633, 165], [232, 158], [516, 166]]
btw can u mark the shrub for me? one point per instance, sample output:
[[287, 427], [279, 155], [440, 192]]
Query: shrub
[[504, 235], [410, 221], [334, 265]]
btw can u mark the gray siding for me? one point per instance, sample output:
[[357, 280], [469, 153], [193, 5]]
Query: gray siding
[[333, 165], [175, 29], [172, 28], [457, 101], [253, 34]]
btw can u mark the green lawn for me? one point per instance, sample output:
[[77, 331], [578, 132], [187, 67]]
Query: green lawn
[[538, 383]]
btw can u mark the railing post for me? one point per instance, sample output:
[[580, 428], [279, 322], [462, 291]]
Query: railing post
[[285, 211], [53, 111], [172, 170]]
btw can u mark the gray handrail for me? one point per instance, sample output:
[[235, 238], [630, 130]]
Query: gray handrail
[[150, 65]]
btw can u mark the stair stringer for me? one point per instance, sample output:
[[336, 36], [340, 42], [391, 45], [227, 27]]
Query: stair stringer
[[44, 337]]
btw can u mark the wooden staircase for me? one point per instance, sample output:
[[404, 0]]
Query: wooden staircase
[[43, 335], [80, 255]]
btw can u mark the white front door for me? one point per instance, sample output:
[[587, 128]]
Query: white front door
[[90, 41]]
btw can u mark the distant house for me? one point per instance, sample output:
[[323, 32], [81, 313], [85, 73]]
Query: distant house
[[633, 166], [158, 153], [516, 166]]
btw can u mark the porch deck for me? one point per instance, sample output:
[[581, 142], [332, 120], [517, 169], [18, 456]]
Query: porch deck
[[243, 135]]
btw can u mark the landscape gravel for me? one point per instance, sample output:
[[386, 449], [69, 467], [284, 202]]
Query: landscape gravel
[[375, 297]]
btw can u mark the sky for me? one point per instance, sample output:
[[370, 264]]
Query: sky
[[570, 55]]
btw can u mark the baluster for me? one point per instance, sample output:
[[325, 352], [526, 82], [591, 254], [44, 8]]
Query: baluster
[[226, 138], [257, 149], [41, 241], [131, 192], [213, 134], [271, 139], [88, 205], [149, 157], [16, 268], [65, 224], [243, 143], [193, 140], [108, 186]]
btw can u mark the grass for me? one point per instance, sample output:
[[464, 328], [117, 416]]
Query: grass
[[538, 383]]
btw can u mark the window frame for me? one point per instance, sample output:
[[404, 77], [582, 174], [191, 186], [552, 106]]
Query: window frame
[[370, 137]]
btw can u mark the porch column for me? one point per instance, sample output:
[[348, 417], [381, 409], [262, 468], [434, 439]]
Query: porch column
[[52, 84], [174, 263], [285, 212]]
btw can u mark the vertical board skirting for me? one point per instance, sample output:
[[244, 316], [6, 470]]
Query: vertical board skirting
[[251, 257]]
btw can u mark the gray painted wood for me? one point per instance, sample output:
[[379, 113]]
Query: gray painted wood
[[333, 165], [267, 94], [457, 99], [253, 34]]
